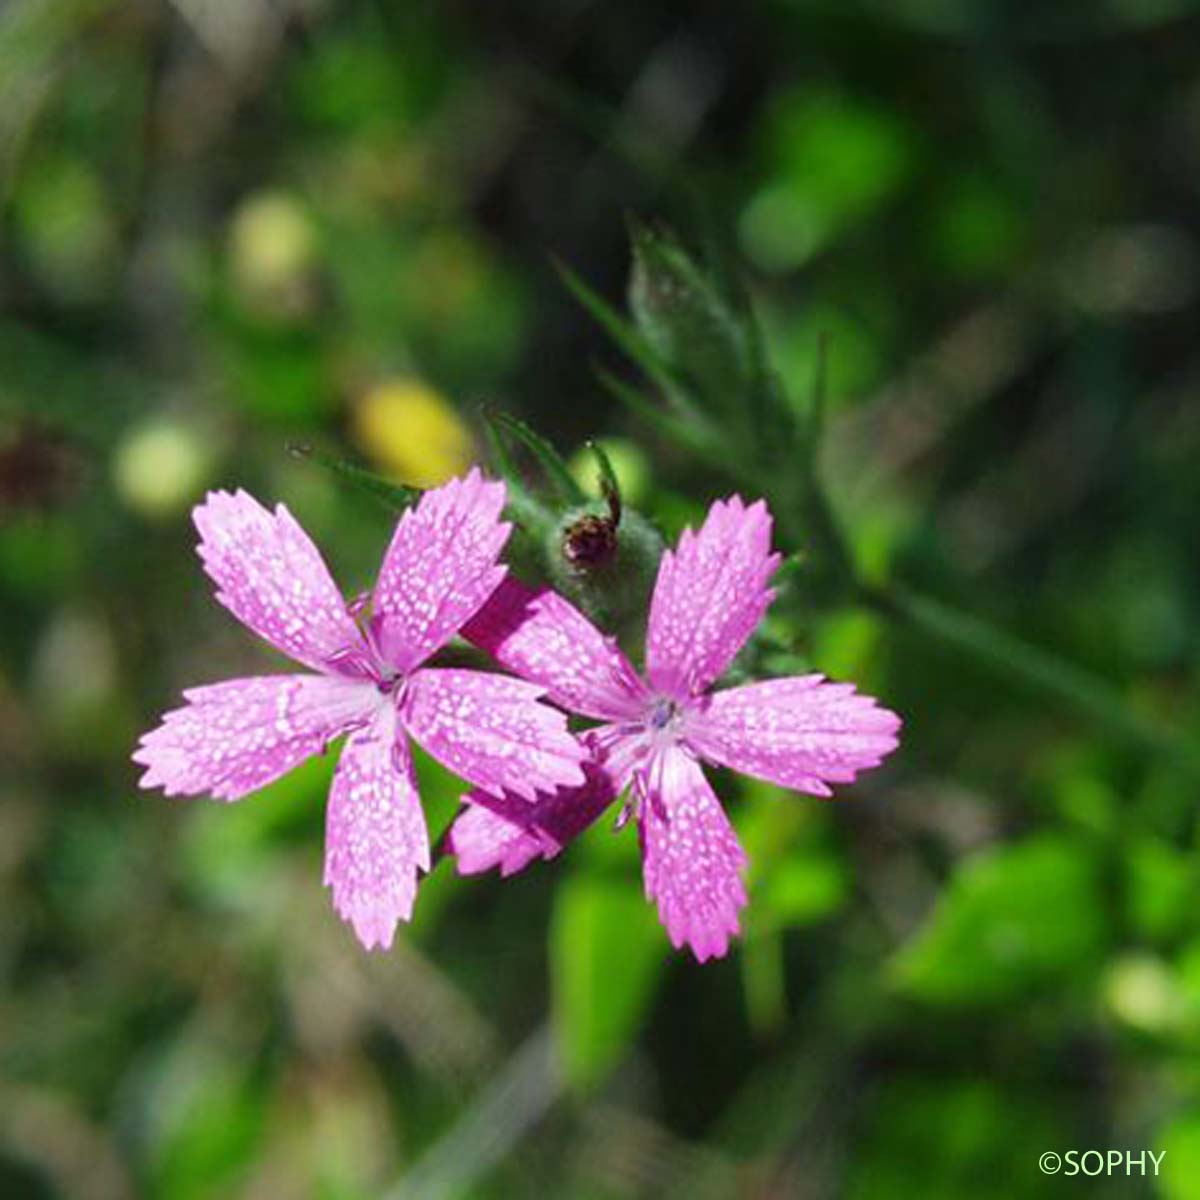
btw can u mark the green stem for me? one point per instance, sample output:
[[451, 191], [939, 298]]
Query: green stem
[[1072, 685], [1077, 688]]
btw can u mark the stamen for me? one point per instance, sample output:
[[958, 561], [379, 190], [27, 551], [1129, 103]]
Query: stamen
[[627, 810], [662, 714], [394, 684]]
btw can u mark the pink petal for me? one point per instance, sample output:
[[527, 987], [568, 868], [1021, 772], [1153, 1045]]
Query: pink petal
[[710, 594], [691, 859], [542, 637], [440, 568], [232, 738], [800, 732], [491, 730], [509, 833], [272, 578], [483, 840], [375, 837]]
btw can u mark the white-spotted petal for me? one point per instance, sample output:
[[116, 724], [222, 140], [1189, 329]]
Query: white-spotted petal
[[542, 637], [234, 737], [375, 835], [439, 569], [491, 730], [710, 594], [272, 578], [691, 859]]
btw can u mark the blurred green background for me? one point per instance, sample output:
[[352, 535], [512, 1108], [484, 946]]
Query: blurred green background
[[231, 226]]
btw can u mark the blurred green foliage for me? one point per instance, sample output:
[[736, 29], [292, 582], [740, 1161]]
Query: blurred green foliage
[[926, 275], [605, 954], [1008, 923]]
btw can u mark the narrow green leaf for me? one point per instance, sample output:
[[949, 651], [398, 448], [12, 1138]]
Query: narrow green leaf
[[606, 953], [525, 509], [610, 487], [396, 496], [547, 457], [624, 334], [695, 435], [1059, 677], [502, 461]]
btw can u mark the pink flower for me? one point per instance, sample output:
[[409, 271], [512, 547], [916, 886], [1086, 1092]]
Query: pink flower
[[801, 732], [369, 682]]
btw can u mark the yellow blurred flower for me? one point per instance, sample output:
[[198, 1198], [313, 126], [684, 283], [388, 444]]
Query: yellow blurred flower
[[412, 432]]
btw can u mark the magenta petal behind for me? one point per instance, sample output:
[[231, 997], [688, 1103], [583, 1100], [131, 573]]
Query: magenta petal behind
[[691, 859], [440, 568], [492, 833], [542, 637], [491, 730], [710, 594], [233, 737], [801, 732], [375, 836], [509, 833], [272, 578]]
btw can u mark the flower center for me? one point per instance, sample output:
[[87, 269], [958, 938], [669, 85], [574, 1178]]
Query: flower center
[[365, 659], [387, 679], [662, 714]]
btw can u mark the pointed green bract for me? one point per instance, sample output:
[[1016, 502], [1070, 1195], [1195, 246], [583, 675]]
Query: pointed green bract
[[549, 459], [693, 433], [626, 337], [531, 517], [609, 486], [396, 496]]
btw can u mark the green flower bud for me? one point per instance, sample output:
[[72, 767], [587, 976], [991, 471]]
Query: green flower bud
[[605, 560], [685, 318]]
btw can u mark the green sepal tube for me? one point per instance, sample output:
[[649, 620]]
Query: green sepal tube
[[604, 565]]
